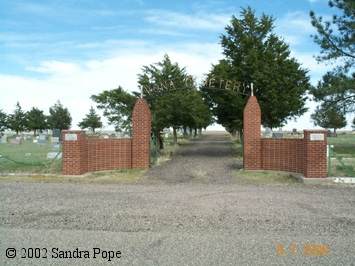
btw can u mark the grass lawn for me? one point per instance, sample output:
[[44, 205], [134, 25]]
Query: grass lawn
[[28, 157], [343, 157]]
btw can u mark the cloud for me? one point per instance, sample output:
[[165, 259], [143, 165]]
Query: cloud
[[309, 62], [60, 9], [295, 28], [297, 20], [74, 82], [198, 21]]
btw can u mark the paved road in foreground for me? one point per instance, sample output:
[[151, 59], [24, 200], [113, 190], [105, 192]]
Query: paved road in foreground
[[180, 223]]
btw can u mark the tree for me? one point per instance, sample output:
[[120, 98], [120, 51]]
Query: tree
[[17, 120], [336, 39], [255, 54], [226, 104], [117, 105], [329, 117], [59, 117], [353, 125], [36, 120], [171, 94], [92, 120], [167, 88], [336, 89], [3, 121]]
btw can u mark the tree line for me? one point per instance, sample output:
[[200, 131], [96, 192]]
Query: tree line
[[35, 120]]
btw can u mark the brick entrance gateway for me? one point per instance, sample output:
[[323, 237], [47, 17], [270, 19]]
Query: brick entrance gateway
[[307, 156], [82, 154]]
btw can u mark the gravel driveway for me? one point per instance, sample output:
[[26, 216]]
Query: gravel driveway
[[179, 221], [209, 159]]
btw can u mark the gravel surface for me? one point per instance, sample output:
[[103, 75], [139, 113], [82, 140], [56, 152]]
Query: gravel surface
[[179, 221], [208, 159]]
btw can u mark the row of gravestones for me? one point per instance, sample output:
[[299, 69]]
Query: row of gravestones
[[268, 133], [41, 139]]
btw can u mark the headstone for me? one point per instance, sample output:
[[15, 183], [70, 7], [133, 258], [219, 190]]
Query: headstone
[[28, 154], [54, 140], [277, 135], [35, 140], [15, 141], [4, 139], [54, 155], [56, 133], [42, 139], [268, 132]]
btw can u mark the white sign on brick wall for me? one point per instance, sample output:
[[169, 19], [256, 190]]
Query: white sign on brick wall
[[71, 137], [316, 136]]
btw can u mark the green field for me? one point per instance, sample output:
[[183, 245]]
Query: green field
[[342, 155], [28, 157]]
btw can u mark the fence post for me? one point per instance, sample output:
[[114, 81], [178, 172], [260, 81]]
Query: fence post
[[330, 154]]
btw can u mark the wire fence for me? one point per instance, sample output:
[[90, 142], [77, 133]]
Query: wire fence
[[29, 157], [341, 160]]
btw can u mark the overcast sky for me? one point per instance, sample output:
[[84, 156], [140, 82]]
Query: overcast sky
[[69, 50]]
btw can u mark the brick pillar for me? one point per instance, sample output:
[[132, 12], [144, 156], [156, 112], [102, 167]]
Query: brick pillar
[[315, 142], [251, 135], [141, 129], [75, 152]]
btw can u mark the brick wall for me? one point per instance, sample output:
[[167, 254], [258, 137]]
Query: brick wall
[[306, 156], [109, 154], [283, 154], [83, 154]]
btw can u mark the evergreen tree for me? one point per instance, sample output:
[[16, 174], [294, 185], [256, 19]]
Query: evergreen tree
[[3, 121], [117, 106], [329, 117], [91, 121], [36, 120], [336, 39], [255, 54], [59, 117], [171, 94], [167, 86], [17, 120]]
